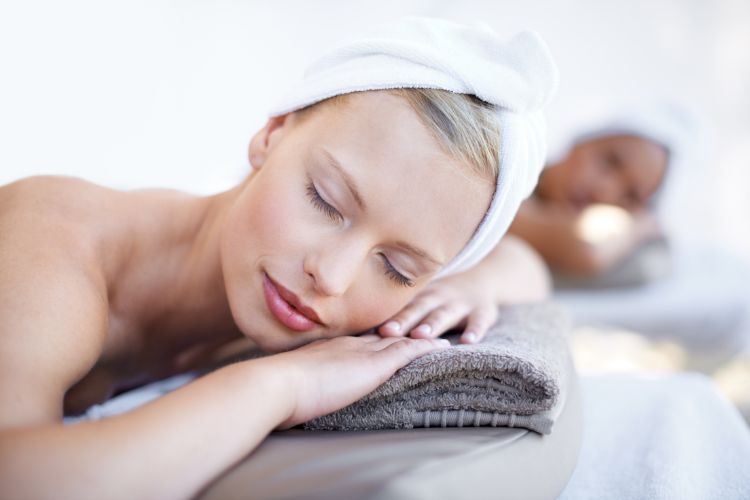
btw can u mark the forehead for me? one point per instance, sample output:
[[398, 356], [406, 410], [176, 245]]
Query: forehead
[[413, 190], [644, 160], [636, 148]]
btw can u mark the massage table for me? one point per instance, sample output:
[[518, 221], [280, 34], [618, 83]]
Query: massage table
[[490, 462], [618, 436], [424, 463], [636, 436], [702, 304]]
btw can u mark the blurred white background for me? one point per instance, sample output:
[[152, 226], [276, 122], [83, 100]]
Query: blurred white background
[[168, 93]]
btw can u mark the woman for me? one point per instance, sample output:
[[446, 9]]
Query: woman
[[594, 205], [102, 290]]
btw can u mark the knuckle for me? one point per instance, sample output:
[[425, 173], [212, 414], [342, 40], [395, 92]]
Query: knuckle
[[347, 340], [448, 312], [427, 300], [489, 311], [404, 346], [439, 316]]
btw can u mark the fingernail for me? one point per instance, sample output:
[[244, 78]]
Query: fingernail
[[393, 325], [444, 342], [470, 336], [424, 329]]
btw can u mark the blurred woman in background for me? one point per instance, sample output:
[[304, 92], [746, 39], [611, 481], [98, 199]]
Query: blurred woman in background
[[595, 203]]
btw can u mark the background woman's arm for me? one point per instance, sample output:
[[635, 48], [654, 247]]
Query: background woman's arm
[[558, 235]]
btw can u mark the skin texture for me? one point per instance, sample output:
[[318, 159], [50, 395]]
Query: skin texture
[[102, 290], [617, 170]]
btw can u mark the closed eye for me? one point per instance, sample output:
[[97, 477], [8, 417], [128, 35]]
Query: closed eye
[[395, 275], [321, 204], [334, 215], [612, 160]]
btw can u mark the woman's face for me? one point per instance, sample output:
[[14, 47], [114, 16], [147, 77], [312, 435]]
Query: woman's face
[[623, 170], [297, 221]]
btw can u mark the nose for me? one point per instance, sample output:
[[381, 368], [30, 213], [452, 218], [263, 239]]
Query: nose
[[333, 265], [608, 190]]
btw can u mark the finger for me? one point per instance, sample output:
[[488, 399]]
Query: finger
[[406, 318], [370, 337], [478, 323], [441, 320], [387, 341], [403, 350]]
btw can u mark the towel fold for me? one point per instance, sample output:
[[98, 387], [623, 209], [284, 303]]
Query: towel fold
[[516, 377]]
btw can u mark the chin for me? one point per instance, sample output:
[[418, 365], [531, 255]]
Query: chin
[[273, 342]]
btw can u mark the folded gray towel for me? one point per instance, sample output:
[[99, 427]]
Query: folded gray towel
[[516, 377]]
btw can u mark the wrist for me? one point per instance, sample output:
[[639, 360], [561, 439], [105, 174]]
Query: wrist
[[273, 385]]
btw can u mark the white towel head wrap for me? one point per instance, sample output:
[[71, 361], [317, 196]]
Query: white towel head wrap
[[517, 76]]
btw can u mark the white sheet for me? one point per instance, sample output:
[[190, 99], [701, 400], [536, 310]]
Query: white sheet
[[703, 305], [659, 437]]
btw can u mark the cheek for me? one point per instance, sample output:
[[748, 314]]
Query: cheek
[[277, 219], [583, 169], [564, 176], [263, 225], [367, 309]]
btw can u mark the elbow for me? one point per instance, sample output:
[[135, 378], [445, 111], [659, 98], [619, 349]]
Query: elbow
[[536, 278], [541, 278], [581, 259]]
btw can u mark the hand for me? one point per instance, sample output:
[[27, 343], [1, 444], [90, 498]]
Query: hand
[[459, 300], [646, 226], [326, 375]]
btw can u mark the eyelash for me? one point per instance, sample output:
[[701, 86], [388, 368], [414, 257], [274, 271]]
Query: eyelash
[[612, 160], [321, 204], [334, 215], [395, 275]]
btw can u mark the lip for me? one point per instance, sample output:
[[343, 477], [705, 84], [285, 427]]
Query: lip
[[579, 200], [287, 307]]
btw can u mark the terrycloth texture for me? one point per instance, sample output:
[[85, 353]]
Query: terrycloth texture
[[518, 76], [513, 378], [660, 437]]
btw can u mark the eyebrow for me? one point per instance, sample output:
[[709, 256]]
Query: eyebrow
[[352, 185], [418, 251], [348, 179]]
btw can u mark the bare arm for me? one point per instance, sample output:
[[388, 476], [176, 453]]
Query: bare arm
[[514, 271], [174, 446], [558, 235], [170, 448]]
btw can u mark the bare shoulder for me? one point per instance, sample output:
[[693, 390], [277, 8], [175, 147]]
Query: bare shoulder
[[69, 198], [53, 296]]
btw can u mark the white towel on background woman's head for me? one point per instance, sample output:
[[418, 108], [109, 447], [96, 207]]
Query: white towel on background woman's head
[[517, 75]]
